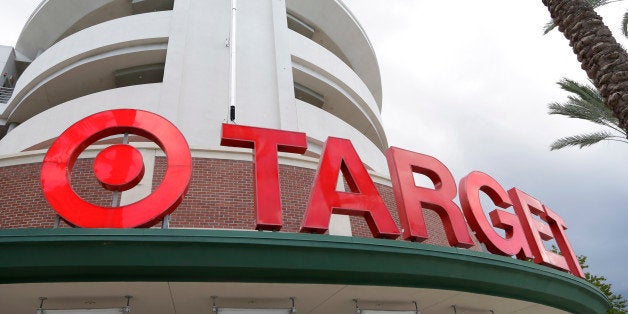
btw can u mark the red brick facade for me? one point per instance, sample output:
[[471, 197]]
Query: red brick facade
[[22, 203], [220, 196]]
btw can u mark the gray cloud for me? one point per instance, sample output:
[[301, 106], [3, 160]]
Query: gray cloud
[[468, 83]]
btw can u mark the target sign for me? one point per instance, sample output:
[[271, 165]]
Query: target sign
[[118, 168]]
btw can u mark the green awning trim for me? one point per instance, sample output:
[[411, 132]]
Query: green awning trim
[[88, 255]]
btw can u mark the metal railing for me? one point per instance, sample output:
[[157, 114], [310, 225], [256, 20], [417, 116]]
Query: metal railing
[[5, 94]]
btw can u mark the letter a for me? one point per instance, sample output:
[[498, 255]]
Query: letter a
[[364, 200]]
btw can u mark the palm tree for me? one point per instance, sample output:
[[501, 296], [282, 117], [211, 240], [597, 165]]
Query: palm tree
[[549, 26], [585, 103], [604, 60]]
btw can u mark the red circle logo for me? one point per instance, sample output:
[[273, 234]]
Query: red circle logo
[[117, 168]]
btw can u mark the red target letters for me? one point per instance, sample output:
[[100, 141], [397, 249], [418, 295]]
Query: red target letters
[[120, 167]]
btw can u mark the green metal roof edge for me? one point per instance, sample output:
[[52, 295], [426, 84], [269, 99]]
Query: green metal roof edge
[[84, 255]]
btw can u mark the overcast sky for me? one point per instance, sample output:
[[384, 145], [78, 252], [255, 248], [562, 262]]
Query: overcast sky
[[468, 82]]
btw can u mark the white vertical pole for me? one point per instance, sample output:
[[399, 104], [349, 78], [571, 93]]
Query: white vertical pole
[[232, 59]]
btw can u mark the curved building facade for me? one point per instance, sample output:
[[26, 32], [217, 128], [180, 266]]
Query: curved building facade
[[292, 65]]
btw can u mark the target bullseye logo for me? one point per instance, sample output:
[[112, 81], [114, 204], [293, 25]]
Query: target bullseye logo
[[118, 168]]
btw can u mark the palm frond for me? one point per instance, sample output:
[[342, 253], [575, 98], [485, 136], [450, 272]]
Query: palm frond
[[583, 140], [579, 109], [587, 92], [624, 24], [598, 3], [549, 26], [575, 111], [586, 104], [599, 110]]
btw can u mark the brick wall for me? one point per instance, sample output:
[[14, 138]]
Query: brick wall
[[433, 222], [86, 185], [220, 196], [22, 203]]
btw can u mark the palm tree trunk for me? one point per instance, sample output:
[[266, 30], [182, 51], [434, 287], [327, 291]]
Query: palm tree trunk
[[604, 60]]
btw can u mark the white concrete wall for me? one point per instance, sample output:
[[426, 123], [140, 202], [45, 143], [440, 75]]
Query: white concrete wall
[[50, 20], [144, 29], [194, 94], [316, 123], [355, 101], [52, 122], [333, 18]]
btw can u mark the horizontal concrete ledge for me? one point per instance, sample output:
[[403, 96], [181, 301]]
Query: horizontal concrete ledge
[[80, 255]]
